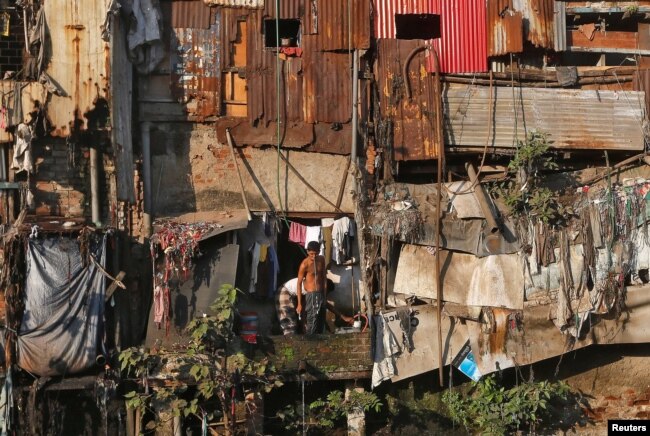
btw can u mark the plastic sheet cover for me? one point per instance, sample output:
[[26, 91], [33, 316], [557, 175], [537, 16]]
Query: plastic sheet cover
[[64, 307]]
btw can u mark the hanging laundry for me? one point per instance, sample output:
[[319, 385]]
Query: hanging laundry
[[23, 153], [341, 250], [314, 234], [274, 270], [327, 242], [263, 250], [297, 233], [255, 252]]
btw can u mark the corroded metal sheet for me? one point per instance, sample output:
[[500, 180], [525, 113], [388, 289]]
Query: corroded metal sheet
[[538, 21], [414, 119], [462, 47], [237, 3], [333, 21], [196, 70], [190, 14], [505, 28], [288, 9], [559, 26], [79, 61], [575, 119], [327, 92]]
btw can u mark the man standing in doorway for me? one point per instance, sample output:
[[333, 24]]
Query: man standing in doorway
[[312, 276]]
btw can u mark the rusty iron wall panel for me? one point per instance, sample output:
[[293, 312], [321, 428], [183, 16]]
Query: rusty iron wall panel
[[642, 83], [196, 69], [384, 13], [414, 120], [237, 3], [505, 28], [190, 14], [288, 8], [575, 119], [327, 89], [261, 79], [539, 19], [328, 19], [79, 60]]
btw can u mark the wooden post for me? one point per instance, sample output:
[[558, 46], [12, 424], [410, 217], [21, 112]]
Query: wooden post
[[357, 418], [241, 182]]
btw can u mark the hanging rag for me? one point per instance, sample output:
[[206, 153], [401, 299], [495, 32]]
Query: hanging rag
[[297, 233], [145, 45], [23, 153], [340, 228], [327, 240], [385, 350]]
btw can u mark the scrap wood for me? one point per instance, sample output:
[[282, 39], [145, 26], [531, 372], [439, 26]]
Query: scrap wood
[[116, 282]]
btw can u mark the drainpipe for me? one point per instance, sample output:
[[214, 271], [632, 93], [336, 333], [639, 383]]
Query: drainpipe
[[355, 105], [94, 187], [145, 132]]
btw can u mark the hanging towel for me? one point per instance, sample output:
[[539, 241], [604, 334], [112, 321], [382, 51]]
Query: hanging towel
[[273, 271], [327, 240], [297, 233]]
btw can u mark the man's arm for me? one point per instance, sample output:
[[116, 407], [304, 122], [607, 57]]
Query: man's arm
[[301, 278]]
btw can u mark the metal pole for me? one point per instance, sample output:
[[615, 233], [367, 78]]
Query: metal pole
[[146, 176], [441, 154], [94, 187], [241, 182]]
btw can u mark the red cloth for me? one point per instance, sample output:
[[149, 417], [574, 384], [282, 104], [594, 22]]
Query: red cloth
[[292, 51], [298, 233]]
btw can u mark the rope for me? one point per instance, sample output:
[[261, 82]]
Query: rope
[[106, 274]]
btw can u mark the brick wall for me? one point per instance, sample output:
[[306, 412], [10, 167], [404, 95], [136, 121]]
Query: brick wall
[[12, 47], [327, 357]]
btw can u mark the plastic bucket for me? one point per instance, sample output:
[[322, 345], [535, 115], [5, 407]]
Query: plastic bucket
[[249, 324]]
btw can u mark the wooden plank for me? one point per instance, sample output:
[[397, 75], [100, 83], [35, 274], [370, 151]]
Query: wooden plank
[[121, 108], [616, 40], [113, 287]]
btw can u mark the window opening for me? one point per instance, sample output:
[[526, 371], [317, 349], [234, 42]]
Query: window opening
[[417, 26], [288, 30]]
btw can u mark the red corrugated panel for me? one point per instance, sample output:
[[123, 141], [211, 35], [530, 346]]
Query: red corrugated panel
[[462, 47], [328, 86]]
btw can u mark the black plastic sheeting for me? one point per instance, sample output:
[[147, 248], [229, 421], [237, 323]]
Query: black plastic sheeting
[[64, 306]]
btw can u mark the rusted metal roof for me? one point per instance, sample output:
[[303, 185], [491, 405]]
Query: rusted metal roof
[[79, 61], [505, 28], [328, 91], [413, 120], [462, 47], [196, 71], [538, 21], [237, 3], [190, 14], [575, 119]]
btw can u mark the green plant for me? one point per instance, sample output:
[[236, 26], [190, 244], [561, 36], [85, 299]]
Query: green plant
[[495, 410], [522, 191], [210, 362], [324, 413]]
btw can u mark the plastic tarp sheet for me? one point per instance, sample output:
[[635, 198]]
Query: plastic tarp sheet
[[64, 306]]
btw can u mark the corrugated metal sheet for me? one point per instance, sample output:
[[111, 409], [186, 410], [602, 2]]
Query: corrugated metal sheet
[[642, 83], [190, 14], [327, 89], [559, 26], [237, 3], [288, 8], [538, 21], [414, 120], [328, 19], [79, 60], [505, 28], [575, 119], [262, 82], [196, 70], [462, 47]]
